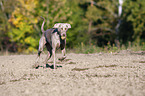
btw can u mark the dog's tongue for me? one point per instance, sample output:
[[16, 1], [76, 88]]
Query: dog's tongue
[[62, 37]]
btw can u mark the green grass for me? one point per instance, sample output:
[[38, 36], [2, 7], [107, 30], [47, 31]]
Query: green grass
[[88, 49]]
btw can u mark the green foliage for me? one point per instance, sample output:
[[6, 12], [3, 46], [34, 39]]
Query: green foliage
[[93, 13], [79, 25], [86, 49], [143, 46], [93, 23], [5, 9], [135, 14], [23, 33]]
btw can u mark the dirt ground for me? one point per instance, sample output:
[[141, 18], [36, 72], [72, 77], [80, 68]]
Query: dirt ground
[[99, 74]]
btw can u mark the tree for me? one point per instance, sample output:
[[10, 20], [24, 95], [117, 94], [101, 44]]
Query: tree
[[134, 15], [102, 20], [23, 21], [6, 8], [77, 34]]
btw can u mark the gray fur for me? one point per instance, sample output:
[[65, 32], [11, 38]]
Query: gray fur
[[53, 39]]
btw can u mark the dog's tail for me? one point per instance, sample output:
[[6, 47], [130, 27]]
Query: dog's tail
[[42, 29]]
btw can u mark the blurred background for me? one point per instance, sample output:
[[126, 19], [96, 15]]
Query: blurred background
[[97, 25]]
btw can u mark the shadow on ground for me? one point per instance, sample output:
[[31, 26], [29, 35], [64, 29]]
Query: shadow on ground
[[49, 66]]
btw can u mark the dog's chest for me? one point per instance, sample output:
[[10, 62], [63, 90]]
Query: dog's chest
[[55, 40]]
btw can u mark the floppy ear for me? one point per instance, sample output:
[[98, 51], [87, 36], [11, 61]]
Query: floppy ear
[[60, 25], [57, 25], [67, 25]]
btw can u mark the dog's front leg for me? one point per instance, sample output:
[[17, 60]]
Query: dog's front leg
[[63, 55], [55, 44], [53, 52]]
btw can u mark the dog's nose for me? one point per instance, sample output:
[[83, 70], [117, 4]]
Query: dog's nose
[[63, 35]]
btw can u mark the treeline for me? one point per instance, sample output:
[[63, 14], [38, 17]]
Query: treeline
[[94, 22]]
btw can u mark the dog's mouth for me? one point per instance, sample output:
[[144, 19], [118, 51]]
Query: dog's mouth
[[63, 37]]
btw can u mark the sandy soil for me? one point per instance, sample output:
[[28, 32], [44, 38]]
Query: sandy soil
[[105, 74]]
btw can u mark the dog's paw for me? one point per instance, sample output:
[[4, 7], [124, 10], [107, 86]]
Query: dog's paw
[[62, 58], [36, 66]]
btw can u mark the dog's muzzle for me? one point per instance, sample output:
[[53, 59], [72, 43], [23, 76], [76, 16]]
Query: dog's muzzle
[[63, 36]]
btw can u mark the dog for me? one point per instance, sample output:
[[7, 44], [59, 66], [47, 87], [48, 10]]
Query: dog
[[53, 39]]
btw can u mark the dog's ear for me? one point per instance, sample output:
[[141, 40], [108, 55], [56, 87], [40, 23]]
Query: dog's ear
[[67, 25], [60, 25], [57, 25]]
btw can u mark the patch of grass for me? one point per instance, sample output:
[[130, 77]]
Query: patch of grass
[[88, 49]]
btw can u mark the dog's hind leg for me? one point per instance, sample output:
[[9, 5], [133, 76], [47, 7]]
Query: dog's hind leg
[[49, 54], [40, 49]]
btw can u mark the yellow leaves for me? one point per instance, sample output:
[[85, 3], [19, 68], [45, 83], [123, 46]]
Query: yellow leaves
[[35, 20], [27, 41], [30, 49], [20, 49], [24, 13], [29, 4], [22, 19], [30, 40], [26, 8], [17, 21]]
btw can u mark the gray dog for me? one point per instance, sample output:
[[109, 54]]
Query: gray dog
[[53, 39]]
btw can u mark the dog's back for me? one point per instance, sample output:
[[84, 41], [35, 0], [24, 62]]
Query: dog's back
[[48, 36]]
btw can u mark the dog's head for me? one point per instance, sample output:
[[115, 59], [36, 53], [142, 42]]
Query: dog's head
[[62, 28]]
